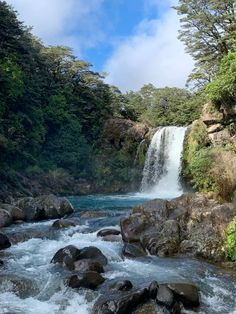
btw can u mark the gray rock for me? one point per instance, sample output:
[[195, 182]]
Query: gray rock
[[5, 218], [69, 251], [63, 223], [107, 232], [133, 250], [90, 280], [4, 242], [93, 253], [85, 265], [122, 285], [187, 294]]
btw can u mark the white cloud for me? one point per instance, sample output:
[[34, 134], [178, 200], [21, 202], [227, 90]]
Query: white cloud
[[153, 55], [61, 21]]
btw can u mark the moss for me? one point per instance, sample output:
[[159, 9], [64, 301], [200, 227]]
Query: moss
[[231, 240]]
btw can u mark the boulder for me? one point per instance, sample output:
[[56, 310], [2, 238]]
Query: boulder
[[107, 232], [4, 242], [112, 238], [5, 218], [15, 212], [19, 236], [165, 296], [93, 253], [210, 115], [120, 303], [152, 289], [122, 285], [1, 263], [133, 250], [90, 280], [70, 252], [215, 128], [219, 137], [187, 294], [63, 223], [44, 207], [85, 265], [190, 224]]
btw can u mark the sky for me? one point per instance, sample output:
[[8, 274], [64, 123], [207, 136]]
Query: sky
[[133, 41]]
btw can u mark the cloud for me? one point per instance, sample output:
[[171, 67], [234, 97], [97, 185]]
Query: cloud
[[65, 22], [153, 55]]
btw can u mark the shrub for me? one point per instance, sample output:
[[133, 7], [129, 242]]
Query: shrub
[[231, 240]]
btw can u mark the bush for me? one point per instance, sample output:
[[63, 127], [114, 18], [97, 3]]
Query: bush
[[231, 240]]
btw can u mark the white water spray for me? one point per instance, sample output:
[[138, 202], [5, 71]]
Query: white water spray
[[163, 163]]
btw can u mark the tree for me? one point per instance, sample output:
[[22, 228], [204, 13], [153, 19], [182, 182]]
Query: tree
[[208, 30]]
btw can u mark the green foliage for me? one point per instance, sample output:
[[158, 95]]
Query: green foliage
[[162, 106], [208, 30], [231, 240], [222, 88]]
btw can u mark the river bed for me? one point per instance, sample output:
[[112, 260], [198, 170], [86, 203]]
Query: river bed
[[43, 290]]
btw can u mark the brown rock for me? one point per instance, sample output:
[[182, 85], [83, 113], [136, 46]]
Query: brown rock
[[5, 218], [210, 115], [106, 232], [90, 280], [215, 128]]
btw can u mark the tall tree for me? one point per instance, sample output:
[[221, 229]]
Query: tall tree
[[208, 29]]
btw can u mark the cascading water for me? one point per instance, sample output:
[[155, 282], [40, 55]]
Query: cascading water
[[163, 163]]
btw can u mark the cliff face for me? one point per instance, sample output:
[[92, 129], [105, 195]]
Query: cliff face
[[210, 152], [121, 154]]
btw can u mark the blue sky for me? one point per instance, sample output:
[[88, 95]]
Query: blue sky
[[133, 41]]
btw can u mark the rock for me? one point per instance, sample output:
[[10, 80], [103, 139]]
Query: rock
[[120, 303], [164, 242], [93, 253], [90, 280], [133, 250], [69, 251], [190, 224], [165, 296], [123, 285], [107, 232], [22, 287], [1, 263], [19, 236], [5, 218], [90, 214], [215, 128], [186, 293], [210, 115], [111, 238], [63, 223], [153, 288], [219, 137], [85, 265], [151, 307], [4, 242], [44, 207], [15, 212]]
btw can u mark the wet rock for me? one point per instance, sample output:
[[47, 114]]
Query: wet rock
[[164, 242], [123, 285], [90, 280], [120, 303], [4, 242], [107, 232], [44, 207], [85, 265], [133, 250], [151, 307], [93, 253], [63, 223], [152, 289], [15, 212], [190, 224], [111, 238], [22, 287], [186, 293], [165, 296], [1, 263], [90, 214], [5, 218], [70, 251], [17, 237]]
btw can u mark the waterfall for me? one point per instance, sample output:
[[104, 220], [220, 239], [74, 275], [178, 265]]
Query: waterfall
[[163, 163]]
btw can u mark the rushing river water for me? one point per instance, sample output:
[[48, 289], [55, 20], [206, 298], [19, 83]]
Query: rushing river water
[[43, 290]]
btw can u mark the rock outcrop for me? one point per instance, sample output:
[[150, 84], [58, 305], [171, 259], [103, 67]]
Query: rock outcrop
[[190, 224]]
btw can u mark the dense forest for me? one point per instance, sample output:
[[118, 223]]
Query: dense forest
[[54, 107]]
